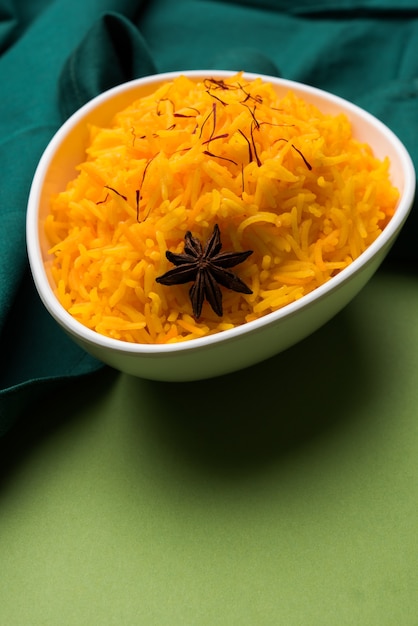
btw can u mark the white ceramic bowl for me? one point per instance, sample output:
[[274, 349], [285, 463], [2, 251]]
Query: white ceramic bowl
[[242, 346]]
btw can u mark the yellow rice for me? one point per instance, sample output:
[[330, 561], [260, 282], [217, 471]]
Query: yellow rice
[[278, 176]]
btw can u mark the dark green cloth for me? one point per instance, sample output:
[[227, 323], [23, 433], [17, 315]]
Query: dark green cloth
[[56, 55]]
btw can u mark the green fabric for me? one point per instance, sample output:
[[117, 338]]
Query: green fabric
[[57, 54]]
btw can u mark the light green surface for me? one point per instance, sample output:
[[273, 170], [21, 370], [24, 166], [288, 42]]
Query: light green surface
[[145, 503]]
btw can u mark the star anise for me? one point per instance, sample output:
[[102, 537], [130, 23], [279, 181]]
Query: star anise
[[208, 268]]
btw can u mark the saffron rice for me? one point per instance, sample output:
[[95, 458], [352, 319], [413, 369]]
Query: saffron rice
[[278, 177]]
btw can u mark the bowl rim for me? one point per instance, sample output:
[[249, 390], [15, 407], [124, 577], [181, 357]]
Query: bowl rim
[[91, 337]]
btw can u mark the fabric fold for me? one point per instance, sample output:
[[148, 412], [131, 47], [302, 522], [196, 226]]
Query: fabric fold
[[112, 52], [8, 24]]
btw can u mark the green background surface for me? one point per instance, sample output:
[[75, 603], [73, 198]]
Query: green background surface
[[286, 494]]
